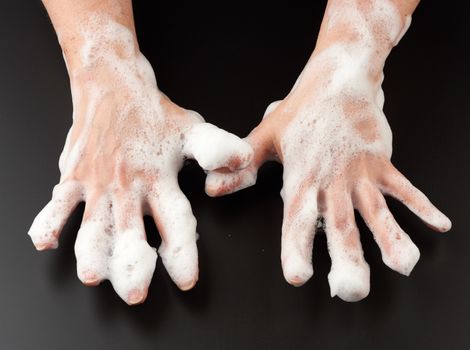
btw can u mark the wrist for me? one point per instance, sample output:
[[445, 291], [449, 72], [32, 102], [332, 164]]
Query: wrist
[[98, 44], [348, 61], [359, 36], [338, 68]]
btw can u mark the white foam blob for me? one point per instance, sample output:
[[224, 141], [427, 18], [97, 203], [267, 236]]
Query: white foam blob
[[132, 263], [212, 147], [348, 281]]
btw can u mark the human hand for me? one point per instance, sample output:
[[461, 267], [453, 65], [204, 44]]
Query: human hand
[[122, 156], [335, 144]]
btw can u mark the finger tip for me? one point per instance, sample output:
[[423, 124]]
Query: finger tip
[[90, 279], [437, 221], [137, 296], [351, 296], [410, 267], [446, 224], [296, 281], [212, 191], [297, 272], [216, 189], [414, 258], [187, 280], [350, 284], [187, 285], [46, 246], [405, 262]]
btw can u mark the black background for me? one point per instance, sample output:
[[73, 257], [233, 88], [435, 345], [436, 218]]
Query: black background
[[229, 63]]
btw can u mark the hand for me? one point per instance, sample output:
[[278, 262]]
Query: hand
[[335, 144], [122, 156]]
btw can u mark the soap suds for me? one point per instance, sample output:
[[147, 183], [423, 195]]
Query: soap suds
[[335, 143], [343, 123], [122, 156]]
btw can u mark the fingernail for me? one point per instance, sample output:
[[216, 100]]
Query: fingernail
[[91, 279], [136, 296], [296, 281], [45, 246]]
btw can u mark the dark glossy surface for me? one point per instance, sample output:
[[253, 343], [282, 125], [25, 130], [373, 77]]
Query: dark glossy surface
[[229, 66]]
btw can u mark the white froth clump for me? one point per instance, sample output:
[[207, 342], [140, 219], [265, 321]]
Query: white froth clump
[[132, 265], [350, 282]]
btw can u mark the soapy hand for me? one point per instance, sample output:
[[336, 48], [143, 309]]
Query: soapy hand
[[334, 141], [122, 156]]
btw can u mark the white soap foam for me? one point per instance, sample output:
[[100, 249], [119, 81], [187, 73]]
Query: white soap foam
[[48, 223], [349, 275], [324, 137], [118, 165], [132, 264], [214, 155], [400, 254]]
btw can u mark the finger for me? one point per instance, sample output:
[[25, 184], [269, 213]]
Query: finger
[[398, 251], [132, 262], [94, 243], [221, 182], [396, 185], [215, 148], [177, 226], [48, 224], [298, 231], [349, 277]]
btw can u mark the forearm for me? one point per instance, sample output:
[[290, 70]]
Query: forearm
[[356, 36], [85, 24]]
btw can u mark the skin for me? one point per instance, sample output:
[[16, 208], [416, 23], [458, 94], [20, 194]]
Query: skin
[[335, 162], [122, 155]]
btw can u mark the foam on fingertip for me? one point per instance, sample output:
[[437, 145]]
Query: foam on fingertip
[[350, 274], [48, 224], [398, 250], [132, 264], [404, 257], [297, 271], [435, 219], [181, 263], [349, 281]]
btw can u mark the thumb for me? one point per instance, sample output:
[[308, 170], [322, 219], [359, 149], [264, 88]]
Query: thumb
[[214, 148], [223, 181]]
